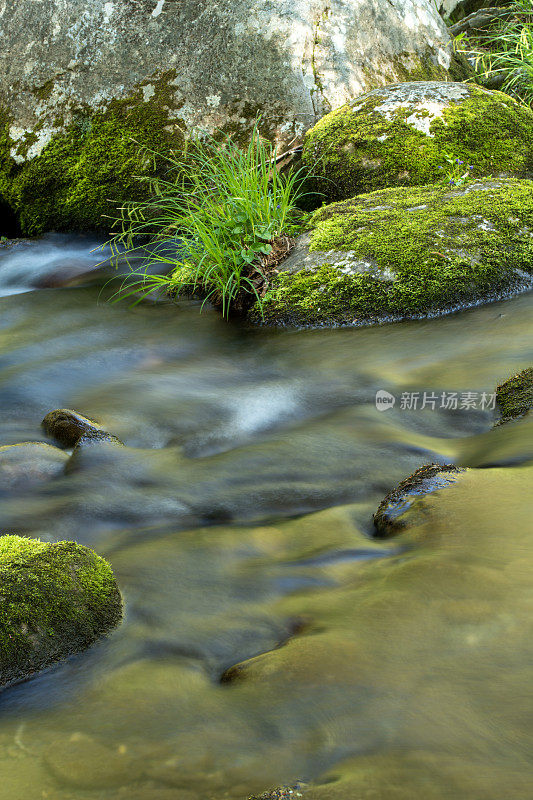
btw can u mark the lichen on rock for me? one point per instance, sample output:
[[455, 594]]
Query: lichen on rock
[[57, 599], [398, 135], [407, 253]]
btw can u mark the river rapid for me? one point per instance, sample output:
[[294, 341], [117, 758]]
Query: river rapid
[[238, 521]]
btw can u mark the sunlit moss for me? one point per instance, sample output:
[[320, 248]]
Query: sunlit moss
[[360, 150], [435, 249], [57, 599]]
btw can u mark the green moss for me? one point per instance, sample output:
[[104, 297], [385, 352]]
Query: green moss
[[515, 396], [89, 169], [57, 599], [433, 249], [360, 151]]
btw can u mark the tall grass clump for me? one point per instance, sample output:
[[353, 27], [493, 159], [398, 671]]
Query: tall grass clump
[[214, 224], [504, 52]]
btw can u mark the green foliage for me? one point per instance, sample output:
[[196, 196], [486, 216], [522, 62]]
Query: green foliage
[[505, 50], [435, 248], [211, 221], [455, 173]]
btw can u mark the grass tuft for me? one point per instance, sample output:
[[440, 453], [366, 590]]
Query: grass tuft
[[505, 51], [212, 225]]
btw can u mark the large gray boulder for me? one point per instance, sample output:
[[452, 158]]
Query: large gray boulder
[[79, 79]]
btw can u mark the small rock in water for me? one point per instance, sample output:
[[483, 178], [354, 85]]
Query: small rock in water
[[388, 518], [515, 396], [85, 763], [70, 428]]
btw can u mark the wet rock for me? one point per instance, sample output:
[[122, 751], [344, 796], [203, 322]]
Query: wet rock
[[515, 396], [181, 67], [28, 464], [71, 429], [282, 793], [399, 135], [406, 253], [57, 599], [83, 762], [429, 478]]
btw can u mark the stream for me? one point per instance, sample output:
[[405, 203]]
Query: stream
[[238, 521]]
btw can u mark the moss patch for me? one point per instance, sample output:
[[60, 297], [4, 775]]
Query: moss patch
[[433, 250], [57, 599], [358, 149], [515, 396], [89, 169]]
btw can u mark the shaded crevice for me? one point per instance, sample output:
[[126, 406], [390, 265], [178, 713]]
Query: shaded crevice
[[9, 222]]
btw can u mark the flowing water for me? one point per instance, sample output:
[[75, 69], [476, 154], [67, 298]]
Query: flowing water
[[238, 520]]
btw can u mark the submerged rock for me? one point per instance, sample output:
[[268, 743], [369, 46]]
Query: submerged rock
[[406, 253], [515, 396], [83, 762], [105, 77], [29, 464], [57, 599], [399, 135], [406, 774]]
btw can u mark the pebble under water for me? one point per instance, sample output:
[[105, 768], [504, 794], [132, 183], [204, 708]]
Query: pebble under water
[[267, 636]]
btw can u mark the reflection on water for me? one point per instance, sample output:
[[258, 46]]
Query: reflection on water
[[237, 520]]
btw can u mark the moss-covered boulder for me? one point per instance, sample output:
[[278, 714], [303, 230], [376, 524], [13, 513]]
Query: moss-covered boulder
[[400, 135], [515, 396], [57, 599], [406, 253]]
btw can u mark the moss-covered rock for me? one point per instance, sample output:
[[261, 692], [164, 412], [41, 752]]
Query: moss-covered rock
[[89, 167], [399, 135], [406, 253], [57, 599], [515, 396]]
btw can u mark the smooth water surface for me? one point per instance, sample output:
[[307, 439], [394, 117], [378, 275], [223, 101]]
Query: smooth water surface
[[238, 520]]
